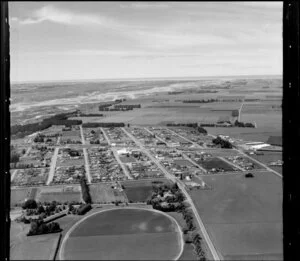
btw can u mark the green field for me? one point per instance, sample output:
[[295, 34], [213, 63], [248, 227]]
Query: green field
[[243, 216], [103, 193], [139, 191], [31, 248], [18, 196], [61, 197], [216, 163], [61, 194], [147, 234]]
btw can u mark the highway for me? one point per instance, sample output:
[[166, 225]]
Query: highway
[[188, 198]]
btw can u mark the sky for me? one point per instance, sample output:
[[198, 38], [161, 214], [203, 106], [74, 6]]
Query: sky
[[52, 41]]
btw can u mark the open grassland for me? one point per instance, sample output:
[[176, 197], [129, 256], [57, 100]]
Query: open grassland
[[60, 194], [149, 235], [40, 247], [141, 190], [243, 216], [61, 197], [269, 157], [19, 195], [247, 134], [103, 193], [155, 246], [216, 163]]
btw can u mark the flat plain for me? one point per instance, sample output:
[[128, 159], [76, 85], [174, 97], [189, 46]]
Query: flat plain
[[148, 235], [242, 219]]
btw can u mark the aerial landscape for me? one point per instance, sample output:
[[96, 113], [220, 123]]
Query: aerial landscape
[[152, 167]]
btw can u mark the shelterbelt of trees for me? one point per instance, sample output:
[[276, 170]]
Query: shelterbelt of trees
[[191, 125], [20, 131]]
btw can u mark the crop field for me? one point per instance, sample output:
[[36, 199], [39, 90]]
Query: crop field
[[31, 248], [139, 191], [269, 157], [215, 163], [103, 193], [18, 196], [138, 229], [243, 216], [248, 134], [59, 194]]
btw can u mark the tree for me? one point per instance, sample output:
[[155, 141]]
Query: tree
[[41, 209], [30, 203]]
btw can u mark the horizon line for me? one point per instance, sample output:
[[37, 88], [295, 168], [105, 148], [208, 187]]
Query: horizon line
[[149, 78]]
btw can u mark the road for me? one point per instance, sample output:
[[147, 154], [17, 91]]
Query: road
[[13, 175], [82, 136], [156, 136], [87, 165], [52, 167], [105, 136], [232, 164], [194, 143], [121, 163], [256, 161], [188, 198], [261, 164], [240, 111], [193, 162]]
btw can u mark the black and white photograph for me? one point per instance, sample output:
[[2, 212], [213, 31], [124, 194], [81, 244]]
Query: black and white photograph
[[146, 130]]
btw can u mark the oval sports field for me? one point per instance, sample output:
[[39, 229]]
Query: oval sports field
[[124, 234]]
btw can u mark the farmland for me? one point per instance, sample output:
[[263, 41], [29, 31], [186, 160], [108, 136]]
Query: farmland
[[18, 195], [59, 194], [105, 193], [31, 248], [140, 190], [136, 229], [241, 218]]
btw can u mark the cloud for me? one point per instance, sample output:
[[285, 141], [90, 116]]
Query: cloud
[[144, 5], [52, 14], [263, 4]]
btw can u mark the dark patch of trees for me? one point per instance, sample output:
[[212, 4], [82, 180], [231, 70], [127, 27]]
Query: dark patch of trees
[[29, 204], [223, 143], [249, 175], [201, 130], [58, 119], [192, 125], [84, 209], [85, 191], [91, 115], [200, 101], [39, 227], [243, 125], [103, 124]]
